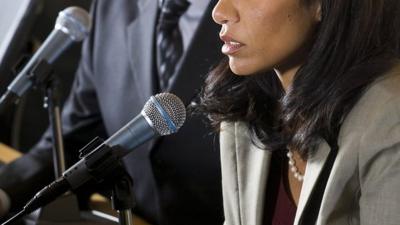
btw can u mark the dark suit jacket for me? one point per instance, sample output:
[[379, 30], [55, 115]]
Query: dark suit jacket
[[177, 177]]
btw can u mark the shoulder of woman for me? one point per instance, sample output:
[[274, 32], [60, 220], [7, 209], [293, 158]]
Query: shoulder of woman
[[373, 124]]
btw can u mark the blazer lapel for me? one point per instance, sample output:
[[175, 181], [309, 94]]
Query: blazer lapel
[[253, 169], [140, 38], [313, 171], [204, 51], [252, 174]]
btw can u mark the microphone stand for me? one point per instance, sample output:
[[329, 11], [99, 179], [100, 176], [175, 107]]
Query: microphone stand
[[113, 170], [122, 195], [66, 207], [123, 200], [43, 75], [52, 103]]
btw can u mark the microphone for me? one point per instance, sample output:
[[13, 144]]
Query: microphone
[[72, 25], [163, 114]]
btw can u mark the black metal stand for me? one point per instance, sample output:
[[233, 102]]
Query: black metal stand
[[66, 207], [123, 200], [42, 76], [52, 103]]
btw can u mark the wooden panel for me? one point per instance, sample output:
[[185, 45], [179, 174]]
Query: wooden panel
[[8, 154]]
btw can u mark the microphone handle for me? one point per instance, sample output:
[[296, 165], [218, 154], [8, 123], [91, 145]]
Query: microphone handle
[[8, 99], [54, 45]]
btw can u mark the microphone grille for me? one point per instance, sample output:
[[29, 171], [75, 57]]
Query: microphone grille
[[75, 22], [165, 112]]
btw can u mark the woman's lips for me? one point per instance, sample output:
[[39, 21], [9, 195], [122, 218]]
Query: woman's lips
[[230, 45]]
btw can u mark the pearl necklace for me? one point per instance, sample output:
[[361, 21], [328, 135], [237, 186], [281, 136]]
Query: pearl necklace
[[293, 167]]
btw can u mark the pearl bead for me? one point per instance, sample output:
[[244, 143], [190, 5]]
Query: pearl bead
[[293, 167]]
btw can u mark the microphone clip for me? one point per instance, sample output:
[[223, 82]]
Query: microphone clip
[[41, 73], [92, 145], [98, 162]]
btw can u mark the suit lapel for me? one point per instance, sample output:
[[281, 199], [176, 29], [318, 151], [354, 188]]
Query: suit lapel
[[204, 51], [313, 171], [140, 38]]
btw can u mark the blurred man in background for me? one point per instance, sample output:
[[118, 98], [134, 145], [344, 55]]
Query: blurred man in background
[[176, 178]]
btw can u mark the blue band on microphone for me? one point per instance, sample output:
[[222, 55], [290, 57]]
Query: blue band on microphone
[[164, 114]]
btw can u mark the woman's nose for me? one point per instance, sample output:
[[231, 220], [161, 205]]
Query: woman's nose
[[224, 12]]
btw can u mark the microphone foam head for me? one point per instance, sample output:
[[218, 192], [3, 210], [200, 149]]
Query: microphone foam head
[[165, 112], [75, 22]]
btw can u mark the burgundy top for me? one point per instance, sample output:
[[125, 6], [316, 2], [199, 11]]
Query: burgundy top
[[280, 208]]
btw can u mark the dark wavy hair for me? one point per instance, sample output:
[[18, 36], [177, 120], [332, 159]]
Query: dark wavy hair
[[356, 42]]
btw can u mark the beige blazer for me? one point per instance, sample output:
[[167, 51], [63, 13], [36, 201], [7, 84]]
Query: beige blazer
[[364, 184]]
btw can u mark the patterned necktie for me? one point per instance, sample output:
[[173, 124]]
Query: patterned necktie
[[169, 39]]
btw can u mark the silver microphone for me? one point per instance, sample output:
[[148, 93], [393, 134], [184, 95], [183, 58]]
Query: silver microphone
[[72, 25], [163, 114]]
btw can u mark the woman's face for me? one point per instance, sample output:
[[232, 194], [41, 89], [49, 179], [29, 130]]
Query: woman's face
[[261, 35]]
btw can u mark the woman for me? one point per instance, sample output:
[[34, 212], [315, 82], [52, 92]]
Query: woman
[[308, 109]]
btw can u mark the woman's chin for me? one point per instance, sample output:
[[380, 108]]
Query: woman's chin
[[242, 71], [246, 66]]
